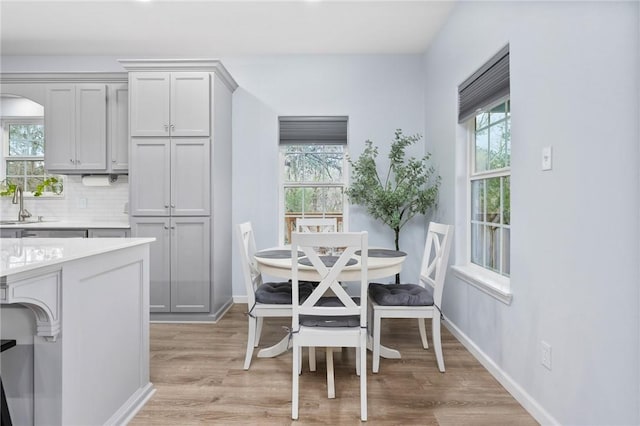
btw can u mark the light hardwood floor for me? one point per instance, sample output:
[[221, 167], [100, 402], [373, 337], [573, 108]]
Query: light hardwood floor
[[197, 371]]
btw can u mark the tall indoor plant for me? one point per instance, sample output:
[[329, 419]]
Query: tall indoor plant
[[410, 186]]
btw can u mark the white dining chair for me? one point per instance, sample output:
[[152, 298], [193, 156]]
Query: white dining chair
[[316, 224], [263, 299], [338, 321], [422, 300]]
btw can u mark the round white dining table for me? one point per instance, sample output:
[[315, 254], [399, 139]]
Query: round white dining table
[[382, 263]]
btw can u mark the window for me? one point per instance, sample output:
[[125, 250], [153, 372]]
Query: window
[[23, 162], [485, 115], [490, 189], [313, 166]]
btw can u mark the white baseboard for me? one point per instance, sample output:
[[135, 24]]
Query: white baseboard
[[526, 400], [240, 299]]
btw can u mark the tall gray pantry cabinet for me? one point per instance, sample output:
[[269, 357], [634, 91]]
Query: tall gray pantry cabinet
[[180, 182]]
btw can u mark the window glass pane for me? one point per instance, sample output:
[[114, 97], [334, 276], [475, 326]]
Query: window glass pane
[[477, 200], [32, 183], [37, 167], [15, 168], [334, 201], [492, 248], [506, 251], [498, 113], [506, 202], [498, 146], [482, 120], [481, 149], [26, 140], [477, 243], [293, 200], [493, 200]]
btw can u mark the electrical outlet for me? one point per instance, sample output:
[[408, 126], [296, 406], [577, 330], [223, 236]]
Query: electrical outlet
[[545, 354]]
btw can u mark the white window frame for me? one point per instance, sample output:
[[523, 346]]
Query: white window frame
[[5, 122], [282, 185], [486, 280]]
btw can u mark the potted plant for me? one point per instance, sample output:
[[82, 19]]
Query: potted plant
[[51, 183], [409, 188]]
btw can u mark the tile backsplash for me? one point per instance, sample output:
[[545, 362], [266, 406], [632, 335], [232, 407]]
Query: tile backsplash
[[86, 203]]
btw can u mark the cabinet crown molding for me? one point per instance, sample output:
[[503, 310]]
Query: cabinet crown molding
[[64, 77], [210, 65]]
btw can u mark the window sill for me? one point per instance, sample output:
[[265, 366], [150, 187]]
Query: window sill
[[492, 284]]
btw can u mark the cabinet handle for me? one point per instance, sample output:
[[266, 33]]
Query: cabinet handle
[[172, 127], [173, 227], [113, 161], [166, 206], [166, 227], [71, 160], [77, 161], [166, 127], [173, 206]]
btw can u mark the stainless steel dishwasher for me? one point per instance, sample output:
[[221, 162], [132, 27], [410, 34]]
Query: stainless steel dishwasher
[[54, 233]]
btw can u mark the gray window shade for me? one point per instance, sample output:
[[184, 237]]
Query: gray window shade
[[485, 86], [306, 130]]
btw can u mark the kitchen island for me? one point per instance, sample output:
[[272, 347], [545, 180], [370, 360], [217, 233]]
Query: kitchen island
[[84, 305]]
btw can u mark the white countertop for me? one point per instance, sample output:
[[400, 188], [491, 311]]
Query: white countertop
[[66, 224], [26, 254]]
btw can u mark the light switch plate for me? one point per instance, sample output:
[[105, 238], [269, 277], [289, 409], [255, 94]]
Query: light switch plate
[[546, 158]]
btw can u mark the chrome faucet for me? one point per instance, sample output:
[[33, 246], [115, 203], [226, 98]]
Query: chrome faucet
[[18, 197]]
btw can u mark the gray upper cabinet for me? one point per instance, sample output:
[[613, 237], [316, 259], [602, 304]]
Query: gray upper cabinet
[[118, 131], [86, 128], [170, 104], [75, 128]]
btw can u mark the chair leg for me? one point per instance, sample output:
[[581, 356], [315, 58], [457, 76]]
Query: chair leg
[[357, 361], [437, 344], [376, 342], [251, 338], [331, 385], [259, 331], [363, 375], [423, 333], [295, 381], [312, 358]]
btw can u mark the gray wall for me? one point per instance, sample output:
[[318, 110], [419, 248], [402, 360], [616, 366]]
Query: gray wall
[[378, 93], [574, 86]]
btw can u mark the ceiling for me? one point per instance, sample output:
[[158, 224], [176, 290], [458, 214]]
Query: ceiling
[[213, 28]]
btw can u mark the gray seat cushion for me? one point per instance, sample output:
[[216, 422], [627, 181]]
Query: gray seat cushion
[[331, 321], [401, 294], [280, 293]]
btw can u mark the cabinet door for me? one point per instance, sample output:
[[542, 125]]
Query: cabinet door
[[119, 127], [190, 260], [159, 259], [149, 103], [190, 176], [190, 104], [91, 131], [59, 128], [149, 177]]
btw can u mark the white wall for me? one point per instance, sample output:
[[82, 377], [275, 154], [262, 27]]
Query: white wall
[[574, 86], [378, 93]]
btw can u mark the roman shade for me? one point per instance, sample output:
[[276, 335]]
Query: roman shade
[[299, 130], [485, 86]]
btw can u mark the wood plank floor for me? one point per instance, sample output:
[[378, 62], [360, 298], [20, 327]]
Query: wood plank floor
[[197, 371]]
